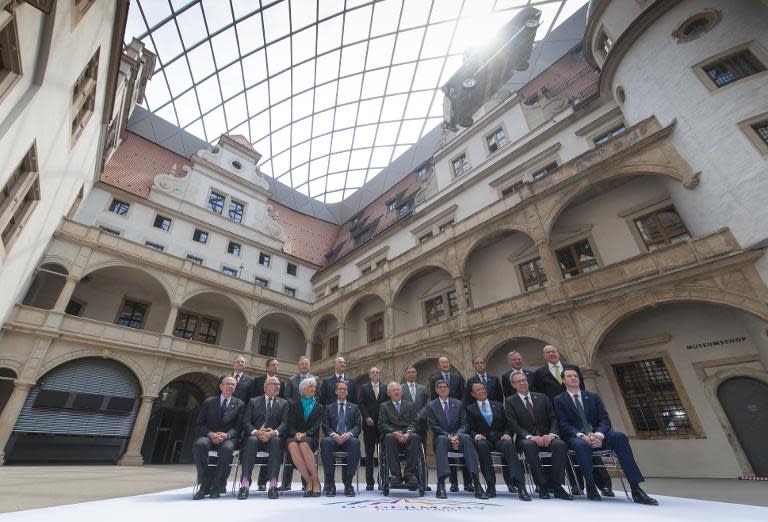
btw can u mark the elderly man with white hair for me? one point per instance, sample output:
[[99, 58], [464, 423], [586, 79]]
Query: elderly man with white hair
[[265, 423], [397, 427]]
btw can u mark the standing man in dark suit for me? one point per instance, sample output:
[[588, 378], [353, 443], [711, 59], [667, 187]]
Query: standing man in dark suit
[[341, 424], [457, 389], [491, 382], [450, 429], [532, 418], [397, 429], [244, 383], [266, 424], [488, 428], [218, 425], [371, 395], [547, 379], [413, 391], [328, 388], [258, 383], [515, 363], [292, 384], [586, 427]]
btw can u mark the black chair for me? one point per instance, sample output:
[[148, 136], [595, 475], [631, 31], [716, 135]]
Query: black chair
[[607, 460]]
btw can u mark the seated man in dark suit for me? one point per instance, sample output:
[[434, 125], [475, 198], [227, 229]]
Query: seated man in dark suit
[[532, 418], [218, 425], [397, 420], [341, 425], [448, 420], [327, 390], [265, 423], [515, 363], [586, 427], [491, 383], [244, 383], [488, 427]]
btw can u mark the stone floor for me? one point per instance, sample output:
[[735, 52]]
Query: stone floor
[[29, 487]]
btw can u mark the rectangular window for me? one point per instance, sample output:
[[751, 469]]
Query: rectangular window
[[229, 271], [109, 230], [652, 400], [196, 260], [512, 188], [10, 59], [84, 97], [661, 228], [496, 140], [460, 166], [154, 246], [604, 44], [119, 207], [426, 237], [261, 282], [268, 343], [533, 274], [403, 210], [236, 211], [422, 173], [292, 269], [576, 259], [453, 303], [733, 67], [74, 307], [264, 259], [200, 236], [196, 327], [162, 222], [132, 314], [435, 309], [216, 202], [19, 197], [392, 205], [761, 129], [445, 225], [333, 288], [544, 171], [375, 328], [333, 345], [366, 270], [287, 290], [616, 131], [233, 248]]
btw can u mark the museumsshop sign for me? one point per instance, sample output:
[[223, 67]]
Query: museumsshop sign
[[715, 343]]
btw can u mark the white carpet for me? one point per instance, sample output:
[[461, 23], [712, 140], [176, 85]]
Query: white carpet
[[178, 506]]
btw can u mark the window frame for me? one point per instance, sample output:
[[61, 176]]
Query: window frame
[[262, 333], [221, 199], [667, 240], [757, 50], [609, 134], [154, 246], [228, 270], [268, 258], [571, 244], [466, 165], [12, 72], [493, 135], [83, 103], [143, 322], [111, 231], [199, 317], [256, 280], [116, 204], [201, 231], [748, 128], [240, 215], [160, 216], [232, 246], [193, 258], [370, 322], [295, 269], [289, 291], [21, 194], [540, 271]]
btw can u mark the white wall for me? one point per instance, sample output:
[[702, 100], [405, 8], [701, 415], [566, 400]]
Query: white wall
[[490, 272], [290, 341], [409, 304]]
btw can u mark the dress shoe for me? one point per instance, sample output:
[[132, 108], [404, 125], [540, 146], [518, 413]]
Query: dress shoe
[[395, 481], [309, 493], [607, 492], [491, 491], [413, 482], [593, 494], [369, 487], [561, 493], [272, 493], [522, 494], [479, 493], [544, 493], [428, 488], [243, 493], [215, 492], [349, 491], [576, 491], [200, 494], [454, 488], [640, 497], [511, 488], [287, 487], [440, 493], [330, 492], [469, 488], [262, 487]]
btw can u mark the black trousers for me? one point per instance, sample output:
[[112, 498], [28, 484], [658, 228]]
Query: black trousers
[[371, 434], [559, 450], [392, 451], [200, 450], [273, 446], [352, 447], [513, 468]]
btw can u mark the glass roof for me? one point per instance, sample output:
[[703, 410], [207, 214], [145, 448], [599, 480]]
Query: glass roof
[[328, 91]]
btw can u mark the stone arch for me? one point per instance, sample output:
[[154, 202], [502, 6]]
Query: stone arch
[[431, 354], [476, 241], [283, 324], [57, 260], [46, 286], [432, 263], [518, 331], [130, 363], [159, 278], [348, 310], [206, 290], [615, 315], [319, 319], [188, 370], [562, 200], [11, 365]]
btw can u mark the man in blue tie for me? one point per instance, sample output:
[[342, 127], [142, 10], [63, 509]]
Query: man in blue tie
[[488, 428], [341, 425], [585, 427]]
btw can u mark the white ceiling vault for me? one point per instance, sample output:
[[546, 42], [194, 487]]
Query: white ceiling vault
[[328, 91]]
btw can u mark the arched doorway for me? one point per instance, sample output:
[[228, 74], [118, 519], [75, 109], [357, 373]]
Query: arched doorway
[[745, 402], [7, 376], [80, 411], [46, 287], [170, 430]]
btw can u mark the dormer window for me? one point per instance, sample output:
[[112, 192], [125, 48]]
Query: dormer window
[[236, 210], [216, 202]]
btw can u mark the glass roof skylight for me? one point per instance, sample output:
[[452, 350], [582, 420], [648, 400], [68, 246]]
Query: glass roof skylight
[[328, 91]]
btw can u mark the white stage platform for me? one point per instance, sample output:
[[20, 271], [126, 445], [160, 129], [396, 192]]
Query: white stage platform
[[178, 506]]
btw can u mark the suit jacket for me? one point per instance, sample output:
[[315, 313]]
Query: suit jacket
[[568, 415], [493, 387], [544, 382], [209, 417], [256, 411], [369, 404], [297, 424], [543, 422], [506, 386], [352, 420], [292, 386], [258, 387], [327, 391], [243, 388], [456, 386], [478, 426], [391, 421], [437, 421], [421, 398]]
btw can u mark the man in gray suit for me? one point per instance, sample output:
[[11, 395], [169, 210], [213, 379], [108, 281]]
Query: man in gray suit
[[448, 420], [413, 391]]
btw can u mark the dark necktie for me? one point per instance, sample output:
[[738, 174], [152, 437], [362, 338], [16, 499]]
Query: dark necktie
[[269, 413], [529, 407], [342, 425], [447, 379], [223, 407], [484, 380], [397, 407], [237, 378], [586, 427], [447, 413]]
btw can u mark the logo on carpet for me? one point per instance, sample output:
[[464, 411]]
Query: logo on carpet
[[413, 504]]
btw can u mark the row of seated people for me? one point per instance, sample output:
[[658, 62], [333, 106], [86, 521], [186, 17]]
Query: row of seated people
[[474, 430]]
